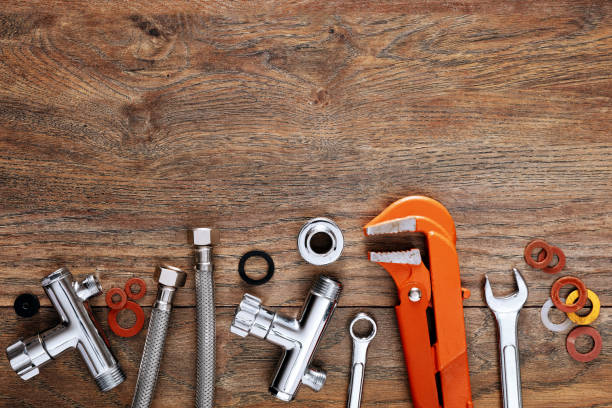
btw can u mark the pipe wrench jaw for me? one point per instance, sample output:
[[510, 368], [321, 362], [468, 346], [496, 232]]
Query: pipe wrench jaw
[[430, 312], [410, 214]]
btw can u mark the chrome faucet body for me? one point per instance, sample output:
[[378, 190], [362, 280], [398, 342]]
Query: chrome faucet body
[[77, 329], [298, 338]]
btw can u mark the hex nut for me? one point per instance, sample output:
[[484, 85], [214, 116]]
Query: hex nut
[[170, 276], [205, 236]]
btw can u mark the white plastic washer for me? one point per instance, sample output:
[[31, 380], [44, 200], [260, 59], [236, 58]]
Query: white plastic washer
[[566, 324], [327, 227]]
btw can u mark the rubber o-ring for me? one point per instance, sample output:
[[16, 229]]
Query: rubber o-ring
[[570, 343], [260, 254], [594, 314], [560, 260], [26, 305], [129, 332], [555, 327], [569, 280], [538, 264], [122, 301], [140, 283]]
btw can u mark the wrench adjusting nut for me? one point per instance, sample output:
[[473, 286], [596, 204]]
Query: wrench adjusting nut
[[137, 282], [594, 314], [569, 280], [320, 241], [570, 344], [560, 260], [122, 298], [129, 332], [546, 251]]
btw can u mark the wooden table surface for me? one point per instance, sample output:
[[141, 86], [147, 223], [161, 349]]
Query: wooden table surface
[[124, 124]]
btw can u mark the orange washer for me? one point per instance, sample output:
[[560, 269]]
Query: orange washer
[[129, 332]]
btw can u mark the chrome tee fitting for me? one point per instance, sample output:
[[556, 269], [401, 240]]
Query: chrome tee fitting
[[77, 329], [298, 337]]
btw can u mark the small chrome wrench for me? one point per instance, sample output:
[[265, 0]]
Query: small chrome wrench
[[506, 312], [360, 350]]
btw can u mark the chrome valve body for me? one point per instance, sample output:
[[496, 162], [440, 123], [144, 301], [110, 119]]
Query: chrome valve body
[[298, 337], [77, 329]]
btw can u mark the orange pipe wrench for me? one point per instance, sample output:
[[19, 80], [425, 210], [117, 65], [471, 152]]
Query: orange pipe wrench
[[430, 312]]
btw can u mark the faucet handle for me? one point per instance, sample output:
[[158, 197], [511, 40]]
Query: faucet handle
[[25, 356], [246, 314]]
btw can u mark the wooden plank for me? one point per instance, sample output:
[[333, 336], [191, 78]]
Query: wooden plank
[[245, 366], [122, 127]]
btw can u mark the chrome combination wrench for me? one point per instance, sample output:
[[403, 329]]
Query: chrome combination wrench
[[360, 350], [506, 312]]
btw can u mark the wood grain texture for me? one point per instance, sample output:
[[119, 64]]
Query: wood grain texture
[[124, 124], [245, 366]]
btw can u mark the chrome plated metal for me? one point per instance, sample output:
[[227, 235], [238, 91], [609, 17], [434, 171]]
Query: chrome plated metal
[[203, 240], [298, 338], [506, 311], [77, 329], [320, 256], [360, 350], [169, 279]]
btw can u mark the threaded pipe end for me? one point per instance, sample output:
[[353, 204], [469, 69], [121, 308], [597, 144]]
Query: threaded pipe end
[[110, 378], [326, 287]]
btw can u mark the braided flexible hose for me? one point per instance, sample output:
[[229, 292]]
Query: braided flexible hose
[[151, 358], [205, 317]]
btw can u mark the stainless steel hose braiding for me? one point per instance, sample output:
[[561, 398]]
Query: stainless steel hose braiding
[[151, 358], [169, 279], [205, 316]]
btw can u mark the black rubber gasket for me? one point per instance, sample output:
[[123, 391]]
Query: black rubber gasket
[[260, 254], [26, 305]]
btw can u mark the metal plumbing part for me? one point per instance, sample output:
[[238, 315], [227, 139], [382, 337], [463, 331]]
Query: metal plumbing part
[[320, 241], [77, 329], [298, 337], [203, 239], [169, 279]]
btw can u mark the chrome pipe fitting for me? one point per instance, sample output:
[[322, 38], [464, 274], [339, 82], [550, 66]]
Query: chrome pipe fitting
[[320, 241], [77, 329], [298, 338]]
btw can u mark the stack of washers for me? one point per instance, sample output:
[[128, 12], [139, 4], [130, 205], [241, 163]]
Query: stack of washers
[[575, 301], [123, 303]]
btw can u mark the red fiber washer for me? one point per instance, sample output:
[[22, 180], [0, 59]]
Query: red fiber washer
[[569, 280], [122, 301], [561, 260], [132, 331], [140, 283], [538, 264], [570, 344]]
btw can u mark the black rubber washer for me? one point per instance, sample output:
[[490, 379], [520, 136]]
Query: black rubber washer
[[260, 254], [26, 305]]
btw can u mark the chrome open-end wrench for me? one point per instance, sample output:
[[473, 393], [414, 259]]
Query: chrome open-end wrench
[[360, 350], [506, 311]]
